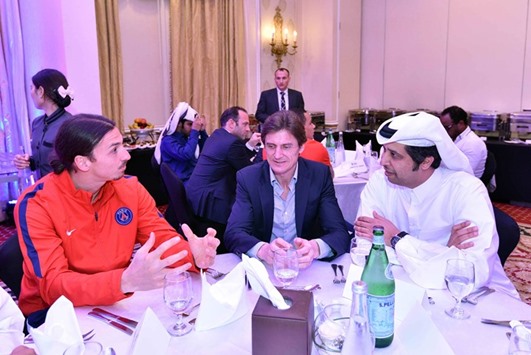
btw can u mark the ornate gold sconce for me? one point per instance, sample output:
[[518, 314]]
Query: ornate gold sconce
[[279, 39]]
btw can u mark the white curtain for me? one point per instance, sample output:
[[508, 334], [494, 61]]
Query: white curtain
[[14, 122]]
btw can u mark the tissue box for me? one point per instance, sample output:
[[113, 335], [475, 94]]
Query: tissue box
[[283, 332]]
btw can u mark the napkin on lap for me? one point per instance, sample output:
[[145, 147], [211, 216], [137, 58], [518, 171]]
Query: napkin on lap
[[11, 324], [59, 331], [222, 302], [260, 282], [425, 263]]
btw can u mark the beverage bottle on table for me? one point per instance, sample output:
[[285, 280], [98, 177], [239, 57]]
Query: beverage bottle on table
[[359, 339], [380, 290], [340, 150], [331, 146]]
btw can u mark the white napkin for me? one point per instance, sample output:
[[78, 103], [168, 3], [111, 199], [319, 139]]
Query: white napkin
[[11, 324], [59, 331], [150, 336], [260, 282], [363, 151], [425, 263], [222, 302]]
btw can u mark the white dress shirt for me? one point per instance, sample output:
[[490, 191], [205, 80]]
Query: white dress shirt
[[475, 150], [428, 212]]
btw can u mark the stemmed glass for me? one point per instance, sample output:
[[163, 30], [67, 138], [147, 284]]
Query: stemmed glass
[[459, 277], [178, 295], [286, 265]]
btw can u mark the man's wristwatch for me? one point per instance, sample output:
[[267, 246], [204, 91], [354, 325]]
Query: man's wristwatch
[[396, 238]]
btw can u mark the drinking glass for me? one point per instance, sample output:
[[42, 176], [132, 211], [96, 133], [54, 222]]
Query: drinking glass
[[359, 250], [286, 265], [88, 348], [459, 277], [178, 295]]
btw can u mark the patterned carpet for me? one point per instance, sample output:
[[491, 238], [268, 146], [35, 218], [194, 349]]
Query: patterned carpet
[[518, 265]]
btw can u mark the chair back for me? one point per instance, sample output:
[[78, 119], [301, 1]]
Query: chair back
[[490, 169], [179, 211], [11, 264], [508, 231]]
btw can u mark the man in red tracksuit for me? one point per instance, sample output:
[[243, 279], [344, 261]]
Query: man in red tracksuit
[[77, 226]]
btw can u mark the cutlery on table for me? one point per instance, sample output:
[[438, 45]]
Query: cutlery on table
[[336, 279], [215, 274], [343, 279], [124, 320], [473, 297], [86, 337], [505, 323], [112, 323], [187, 313], [304, 288]]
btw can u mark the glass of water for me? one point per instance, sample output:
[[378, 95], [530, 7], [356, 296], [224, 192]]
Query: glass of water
[[459, 277], [178, 295], [359, 250], [286, 266]]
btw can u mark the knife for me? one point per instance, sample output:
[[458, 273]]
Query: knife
[[121, 319], [112, 323], [526, 323], [473, 297]]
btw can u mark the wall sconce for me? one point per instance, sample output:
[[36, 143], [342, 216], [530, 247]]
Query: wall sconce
[[279, 39]]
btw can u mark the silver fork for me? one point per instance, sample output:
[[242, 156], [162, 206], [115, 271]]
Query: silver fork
[[86, 337], [215, 274], [336, 279], [343, 279]]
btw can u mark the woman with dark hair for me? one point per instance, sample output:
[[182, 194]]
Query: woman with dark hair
[[50, 92]]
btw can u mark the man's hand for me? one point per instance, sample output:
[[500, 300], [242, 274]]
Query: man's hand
[[363, 226], [23, 350], [147, 269], [203, 249], [461, 232], [266, 251], [21, 161], [255, 139], [307, 251]]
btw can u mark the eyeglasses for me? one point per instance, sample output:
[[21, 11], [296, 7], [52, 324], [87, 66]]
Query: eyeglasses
[[448, 127]]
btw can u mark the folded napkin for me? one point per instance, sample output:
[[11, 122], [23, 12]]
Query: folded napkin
[[348, 168], [363, 151], [11, 324], [425, 263], [260, 282], [150, 336], [59, 331], [222, 302]]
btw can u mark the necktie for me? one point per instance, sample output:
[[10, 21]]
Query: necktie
[[282, 100]]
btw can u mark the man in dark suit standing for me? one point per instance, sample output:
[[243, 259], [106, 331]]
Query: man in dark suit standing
[[279, 98], [211, 188], [286, 201]]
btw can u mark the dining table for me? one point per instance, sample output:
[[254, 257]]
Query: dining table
[[423, 328]]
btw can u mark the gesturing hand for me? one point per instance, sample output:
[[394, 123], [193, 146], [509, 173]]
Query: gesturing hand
[[265, 253], [307, 251], [461, 232], [203, 249], [147, 269]]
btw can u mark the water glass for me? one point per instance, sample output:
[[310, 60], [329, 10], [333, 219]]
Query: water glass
[[286, 265], [178, 295], [88, 348], [459, 277], [359, 250]]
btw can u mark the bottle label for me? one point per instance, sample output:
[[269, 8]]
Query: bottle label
[[381, 314]]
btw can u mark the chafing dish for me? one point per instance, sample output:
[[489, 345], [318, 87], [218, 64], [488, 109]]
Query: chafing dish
[[520, 125], [361, 119], [318, 119]]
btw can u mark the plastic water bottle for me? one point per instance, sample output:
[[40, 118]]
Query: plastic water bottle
[[520, 342], [331, 146], [359, 339], [340, 150], [380, 290]]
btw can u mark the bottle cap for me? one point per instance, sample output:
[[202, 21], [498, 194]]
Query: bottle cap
[[359, 287]]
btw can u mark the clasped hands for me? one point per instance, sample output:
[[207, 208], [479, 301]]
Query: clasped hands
[[148, 269], [307, 250], [459, 237]]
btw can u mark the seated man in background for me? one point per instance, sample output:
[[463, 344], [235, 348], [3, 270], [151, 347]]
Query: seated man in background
[[455, 121], [78, 226], [212, 187], [286, 200], [428, 202], [181, 141]]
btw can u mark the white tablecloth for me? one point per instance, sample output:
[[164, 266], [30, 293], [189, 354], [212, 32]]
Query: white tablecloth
[[464, 336], [348, 190]]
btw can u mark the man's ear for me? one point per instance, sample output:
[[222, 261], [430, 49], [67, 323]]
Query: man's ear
[[40, 92], [426, 164], [82, 162]]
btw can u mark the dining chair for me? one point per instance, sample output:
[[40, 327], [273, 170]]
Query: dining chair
[[178, 211], [11, 264], [490, 169], [508, 232]]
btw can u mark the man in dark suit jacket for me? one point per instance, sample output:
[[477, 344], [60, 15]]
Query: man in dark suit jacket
[[211, 188], [286, 201], [271, 100]]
